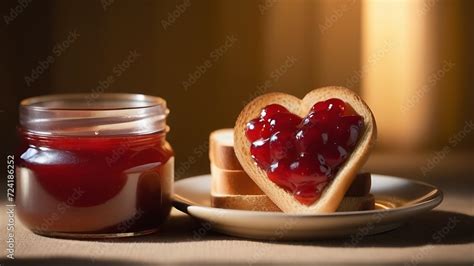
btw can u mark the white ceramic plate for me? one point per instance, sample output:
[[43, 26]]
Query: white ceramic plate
[[397, 200]]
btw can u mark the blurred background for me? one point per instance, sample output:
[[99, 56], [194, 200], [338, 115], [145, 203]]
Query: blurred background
[[412, 61]]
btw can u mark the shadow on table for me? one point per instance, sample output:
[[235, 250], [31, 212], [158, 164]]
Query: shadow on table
[[60, 261], [68, 261], [178, 228], [432, 228], [435, 227]]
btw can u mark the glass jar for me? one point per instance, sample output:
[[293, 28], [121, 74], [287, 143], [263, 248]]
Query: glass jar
[[94, 167]]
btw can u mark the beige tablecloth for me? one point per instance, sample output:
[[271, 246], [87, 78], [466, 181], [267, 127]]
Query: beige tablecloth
[[412, 244]]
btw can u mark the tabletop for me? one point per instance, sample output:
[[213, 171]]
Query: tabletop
[[443, 236]]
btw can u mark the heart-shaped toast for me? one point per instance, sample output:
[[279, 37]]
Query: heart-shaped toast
[[277, 131]]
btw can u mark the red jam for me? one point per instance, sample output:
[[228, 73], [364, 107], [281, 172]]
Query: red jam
[[99, 185], [302, 155], [94, 167]]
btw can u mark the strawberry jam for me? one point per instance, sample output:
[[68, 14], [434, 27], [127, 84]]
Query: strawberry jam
[[94, 185], [94, 167], [302, 155]]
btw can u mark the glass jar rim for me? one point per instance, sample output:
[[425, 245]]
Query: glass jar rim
[[89, 114]]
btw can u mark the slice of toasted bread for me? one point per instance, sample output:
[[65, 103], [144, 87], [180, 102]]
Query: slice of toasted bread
[[333, 194], [364, 203], [244, 202], [232, 182], [221, 149], [360, 186], [263, 203]]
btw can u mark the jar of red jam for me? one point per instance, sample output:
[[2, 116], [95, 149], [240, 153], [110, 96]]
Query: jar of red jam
[[94, 166]]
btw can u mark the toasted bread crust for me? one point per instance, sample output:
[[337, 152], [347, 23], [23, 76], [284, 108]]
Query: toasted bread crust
[[221, 150], [263, 203], [232, 182], [244, 202], [334, 192]]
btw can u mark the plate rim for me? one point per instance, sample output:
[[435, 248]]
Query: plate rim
[[430, 203]]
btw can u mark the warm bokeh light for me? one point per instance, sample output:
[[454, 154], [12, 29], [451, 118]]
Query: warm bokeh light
[[397, 63]]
